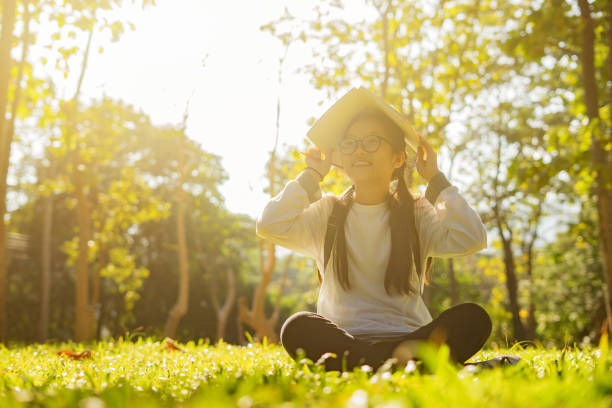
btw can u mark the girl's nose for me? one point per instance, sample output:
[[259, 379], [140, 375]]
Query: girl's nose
[[359, 150]]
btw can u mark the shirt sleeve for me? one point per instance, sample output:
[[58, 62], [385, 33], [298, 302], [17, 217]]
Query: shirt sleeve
[[296, 218], [446, 223]]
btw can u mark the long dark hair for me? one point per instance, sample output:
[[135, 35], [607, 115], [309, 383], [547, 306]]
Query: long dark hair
[[402, 222]]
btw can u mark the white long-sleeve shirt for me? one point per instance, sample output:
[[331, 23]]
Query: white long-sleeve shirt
[[297, 220]]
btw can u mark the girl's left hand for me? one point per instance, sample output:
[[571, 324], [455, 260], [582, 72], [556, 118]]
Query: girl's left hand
[[427, 161]]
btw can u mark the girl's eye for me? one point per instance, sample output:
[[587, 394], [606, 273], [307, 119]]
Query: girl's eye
[[348, 145], [370, 143]]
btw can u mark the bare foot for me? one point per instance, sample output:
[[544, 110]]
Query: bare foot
[[406, 351]]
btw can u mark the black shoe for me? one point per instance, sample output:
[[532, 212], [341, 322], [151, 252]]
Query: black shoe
[[499, 361]]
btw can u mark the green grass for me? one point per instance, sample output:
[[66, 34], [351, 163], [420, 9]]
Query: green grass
[[144, 374]]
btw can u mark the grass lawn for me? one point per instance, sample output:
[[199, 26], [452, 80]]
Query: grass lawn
[[146, 373]]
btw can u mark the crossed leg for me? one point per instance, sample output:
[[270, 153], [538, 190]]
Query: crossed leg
[[464, 328]]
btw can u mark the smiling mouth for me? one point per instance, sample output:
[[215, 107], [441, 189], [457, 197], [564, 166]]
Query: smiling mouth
[[362, 163]]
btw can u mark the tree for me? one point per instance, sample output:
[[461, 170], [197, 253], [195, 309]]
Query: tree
[[565, 41], [255, 317], [180, 307], [223, 311], [133, 259], [570, 284], [6, 42], [84, 309], [107, 135], [83, 15], [83, 325], [601, 156]]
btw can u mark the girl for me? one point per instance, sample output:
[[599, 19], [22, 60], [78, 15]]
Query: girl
[[370, 307]]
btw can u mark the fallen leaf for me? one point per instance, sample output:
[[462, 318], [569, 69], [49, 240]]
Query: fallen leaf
[[74, 355], [170, 345]]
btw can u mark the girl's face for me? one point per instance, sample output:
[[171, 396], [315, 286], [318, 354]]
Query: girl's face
[[363, 165]]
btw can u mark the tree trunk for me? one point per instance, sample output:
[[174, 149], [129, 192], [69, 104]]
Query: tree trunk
[[594, 324], [45, 292], [531, 321], [530, 332], [510, 265], [180, 307], [83, 326], [511, 279], [224, 311], [6, 41], [281, 290], [608, 249], [97, 291], [10, 126], [255, 317], [602, 163], [240, 330], [213, 290], [102, 314], [83, 312]]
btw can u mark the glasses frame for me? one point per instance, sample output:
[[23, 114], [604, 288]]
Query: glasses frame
[[360, 143]]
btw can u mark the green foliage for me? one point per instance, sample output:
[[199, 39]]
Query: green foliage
[[570, 284], [123, 271], [143, 373], [131, 174]]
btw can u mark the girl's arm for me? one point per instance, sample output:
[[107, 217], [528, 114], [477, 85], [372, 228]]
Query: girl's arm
[[446, 223], [297, 217]]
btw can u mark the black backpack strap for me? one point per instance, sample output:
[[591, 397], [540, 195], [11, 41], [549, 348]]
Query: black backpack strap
[[330, 237], [330, 234], [332, 229]]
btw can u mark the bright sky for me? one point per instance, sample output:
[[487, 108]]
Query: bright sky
[[232, 112]]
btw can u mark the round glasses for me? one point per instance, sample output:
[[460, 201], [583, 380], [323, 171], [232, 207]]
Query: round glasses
[[368, 144]]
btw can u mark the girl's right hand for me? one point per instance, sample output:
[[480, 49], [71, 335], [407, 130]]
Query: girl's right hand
[[321, 165]]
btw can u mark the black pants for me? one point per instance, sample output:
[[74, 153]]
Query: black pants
[[464, 328]]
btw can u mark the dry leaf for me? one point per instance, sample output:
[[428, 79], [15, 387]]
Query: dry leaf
[[74, 355], [170, 345]]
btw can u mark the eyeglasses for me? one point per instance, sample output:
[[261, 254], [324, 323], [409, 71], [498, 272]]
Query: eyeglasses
[[369, 144]]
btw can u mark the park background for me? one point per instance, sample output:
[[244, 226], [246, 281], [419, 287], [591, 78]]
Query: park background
[[142, 139]]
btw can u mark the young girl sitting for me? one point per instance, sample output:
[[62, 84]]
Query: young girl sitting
[[370, 307]]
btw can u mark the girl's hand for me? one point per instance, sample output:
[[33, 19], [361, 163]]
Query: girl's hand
[[427, 161], [314, 160]]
